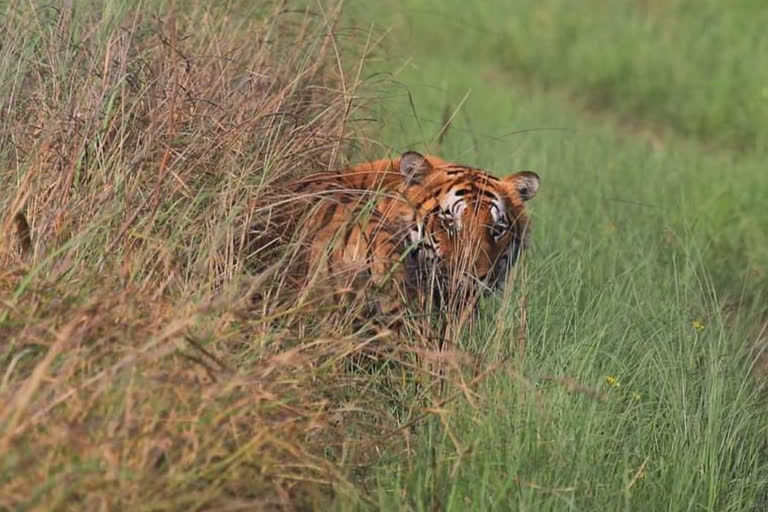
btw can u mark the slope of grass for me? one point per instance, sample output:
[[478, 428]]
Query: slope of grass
[[633, 386]]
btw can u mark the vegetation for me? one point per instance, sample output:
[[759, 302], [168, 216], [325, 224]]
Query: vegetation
[[137, 148], [638, 384], [145, 366]]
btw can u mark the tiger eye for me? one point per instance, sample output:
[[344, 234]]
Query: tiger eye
[[498, 230]]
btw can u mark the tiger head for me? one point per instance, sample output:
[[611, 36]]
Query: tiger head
[[471, 226]]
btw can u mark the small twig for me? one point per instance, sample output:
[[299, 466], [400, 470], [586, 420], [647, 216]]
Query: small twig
[[24, 234], [534, 485], [522, 331], [447, 118], [189, 339], [208, 370], [573, 386], [638, 474]]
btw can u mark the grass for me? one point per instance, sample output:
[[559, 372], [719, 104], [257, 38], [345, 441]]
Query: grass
[[690, 66], [138, 147], [645, 288], [621, 368]]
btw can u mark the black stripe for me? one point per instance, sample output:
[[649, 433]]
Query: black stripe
[[328, 215], [487, 193], [348, 233]]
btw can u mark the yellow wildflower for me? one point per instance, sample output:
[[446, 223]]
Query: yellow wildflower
[[696, 324], [612, 381]]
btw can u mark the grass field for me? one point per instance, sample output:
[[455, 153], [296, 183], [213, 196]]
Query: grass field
[[645, 288], [621, 369]]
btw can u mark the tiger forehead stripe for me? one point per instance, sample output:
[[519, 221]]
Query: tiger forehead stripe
[[488, 193], [479, 188], [455, 169], [452, 170]]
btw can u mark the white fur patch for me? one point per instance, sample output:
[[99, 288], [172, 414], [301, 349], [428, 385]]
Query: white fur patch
[[497, 210], [456, 204]]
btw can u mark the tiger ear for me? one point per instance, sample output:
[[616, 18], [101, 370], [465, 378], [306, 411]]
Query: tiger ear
[[414, 167], [526, 183]]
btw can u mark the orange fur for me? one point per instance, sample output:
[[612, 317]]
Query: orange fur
[[411, 225]]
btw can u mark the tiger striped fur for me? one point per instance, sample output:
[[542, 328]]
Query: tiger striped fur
[[414, 229]]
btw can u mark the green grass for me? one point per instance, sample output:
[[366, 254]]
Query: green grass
[[641, 229], [691, 66]]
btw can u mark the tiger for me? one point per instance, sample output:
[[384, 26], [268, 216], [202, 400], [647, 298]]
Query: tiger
[[416, 229]]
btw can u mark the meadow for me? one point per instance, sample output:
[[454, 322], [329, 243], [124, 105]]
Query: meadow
[[622, 368], [639, 385]]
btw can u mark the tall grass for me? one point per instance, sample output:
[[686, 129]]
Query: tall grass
[[139, 145], [148, 364]]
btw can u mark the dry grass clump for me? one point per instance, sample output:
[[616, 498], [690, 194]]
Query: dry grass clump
[[137, 147]]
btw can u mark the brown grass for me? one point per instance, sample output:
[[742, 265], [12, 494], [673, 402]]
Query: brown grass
[[136, 148]]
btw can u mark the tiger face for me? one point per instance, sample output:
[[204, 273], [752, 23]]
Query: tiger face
[[469, 226]]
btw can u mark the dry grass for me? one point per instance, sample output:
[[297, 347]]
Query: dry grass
[[137, 149]]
